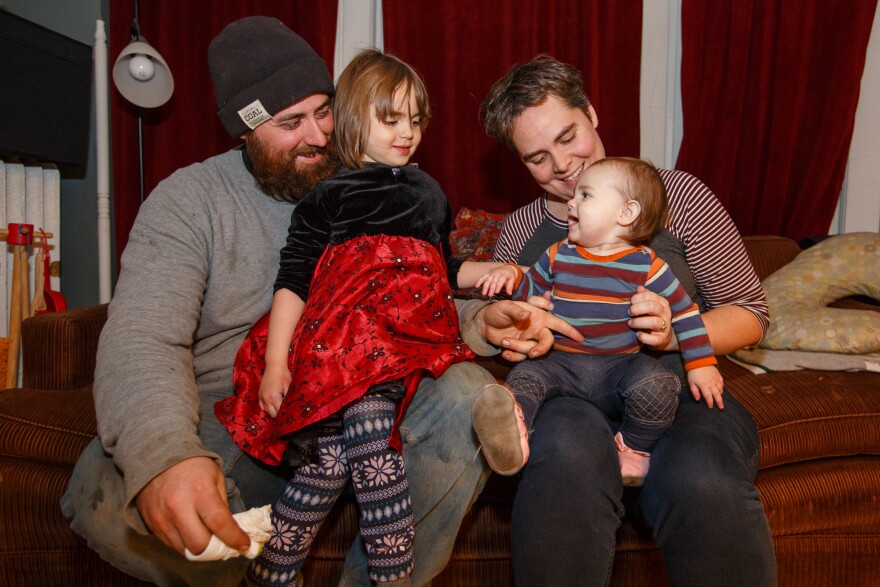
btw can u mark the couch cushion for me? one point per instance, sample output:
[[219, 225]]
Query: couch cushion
[[831, 495], [769, 253], [59, 348], [29, 429], [38, 547], [806, 415]]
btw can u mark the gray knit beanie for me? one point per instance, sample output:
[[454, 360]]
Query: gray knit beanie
[[259, 67]]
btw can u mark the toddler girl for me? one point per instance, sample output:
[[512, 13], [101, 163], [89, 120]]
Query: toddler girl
[[362, 308]]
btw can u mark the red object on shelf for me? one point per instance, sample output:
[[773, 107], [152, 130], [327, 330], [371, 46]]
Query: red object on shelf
[[54, 301], [20, 234]]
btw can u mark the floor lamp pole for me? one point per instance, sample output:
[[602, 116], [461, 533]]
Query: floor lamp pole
[[102, 141]]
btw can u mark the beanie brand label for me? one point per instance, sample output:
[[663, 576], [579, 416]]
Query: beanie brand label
[[254, 114]]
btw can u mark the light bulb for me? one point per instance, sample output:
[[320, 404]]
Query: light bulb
[[141, 68]]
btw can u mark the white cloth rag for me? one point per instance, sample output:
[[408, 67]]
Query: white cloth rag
[[257, 522]]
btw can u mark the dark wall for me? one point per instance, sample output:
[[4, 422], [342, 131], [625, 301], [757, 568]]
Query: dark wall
[[79, 246], [45, 103]]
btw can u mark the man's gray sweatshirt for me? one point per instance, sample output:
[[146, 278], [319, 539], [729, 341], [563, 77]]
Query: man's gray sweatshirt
[[197, 273]]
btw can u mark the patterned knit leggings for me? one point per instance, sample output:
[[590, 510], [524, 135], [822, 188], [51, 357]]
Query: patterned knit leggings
[[380, 486]]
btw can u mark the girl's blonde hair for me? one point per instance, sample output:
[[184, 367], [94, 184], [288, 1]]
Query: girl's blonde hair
[[370, 80]]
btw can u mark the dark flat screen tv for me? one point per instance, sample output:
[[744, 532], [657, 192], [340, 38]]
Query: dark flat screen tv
[[45, 93]]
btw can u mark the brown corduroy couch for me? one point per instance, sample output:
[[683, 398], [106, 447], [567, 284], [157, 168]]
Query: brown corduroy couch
[[819, 477]]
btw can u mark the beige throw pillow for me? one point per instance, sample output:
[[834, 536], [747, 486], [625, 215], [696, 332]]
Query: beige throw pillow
[[798, 294]]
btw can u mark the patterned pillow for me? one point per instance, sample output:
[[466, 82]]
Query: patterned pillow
[[798, 294], [473, 239], [475, 233]]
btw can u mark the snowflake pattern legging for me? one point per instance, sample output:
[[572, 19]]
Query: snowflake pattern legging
[[380, 486]]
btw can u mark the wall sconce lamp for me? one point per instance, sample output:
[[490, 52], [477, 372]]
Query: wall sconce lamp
[[143, 78], [141, 74]]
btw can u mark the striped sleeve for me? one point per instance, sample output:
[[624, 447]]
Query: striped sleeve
[[539, 278], [714, 250], [693, 340], [518, 228]]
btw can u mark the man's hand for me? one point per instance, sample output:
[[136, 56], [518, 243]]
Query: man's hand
[[186, 503], [651, 318], [523, 329]]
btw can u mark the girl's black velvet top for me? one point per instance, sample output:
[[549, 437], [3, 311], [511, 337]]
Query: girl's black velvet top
[[378, 199]]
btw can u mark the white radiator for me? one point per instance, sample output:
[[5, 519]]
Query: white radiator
[[29, 194]]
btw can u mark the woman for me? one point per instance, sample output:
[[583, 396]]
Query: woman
[[700, 493]]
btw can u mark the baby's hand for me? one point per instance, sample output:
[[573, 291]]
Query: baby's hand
[[499, 279], [706, 382], [273, 388]]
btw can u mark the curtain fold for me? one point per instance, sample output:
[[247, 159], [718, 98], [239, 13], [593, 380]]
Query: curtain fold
[[186, 129], [769, 95], [462, 47]]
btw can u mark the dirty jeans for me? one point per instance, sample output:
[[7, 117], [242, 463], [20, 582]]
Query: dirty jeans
[[445, 479]]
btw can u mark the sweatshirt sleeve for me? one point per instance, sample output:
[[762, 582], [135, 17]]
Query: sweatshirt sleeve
[[470, 334], [145, 390]]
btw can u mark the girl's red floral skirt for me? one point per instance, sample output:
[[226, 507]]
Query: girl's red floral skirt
[[380, 308]]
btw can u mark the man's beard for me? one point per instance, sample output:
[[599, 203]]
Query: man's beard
[[278, 175]]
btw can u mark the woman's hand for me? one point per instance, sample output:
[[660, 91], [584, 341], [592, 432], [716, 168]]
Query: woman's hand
[[651, 318]]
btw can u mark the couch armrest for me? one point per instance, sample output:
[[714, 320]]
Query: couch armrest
[[59, 348], [46, 425]]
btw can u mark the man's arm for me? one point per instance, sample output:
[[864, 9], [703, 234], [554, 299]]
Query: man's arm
[[146, 399], [187, 503]]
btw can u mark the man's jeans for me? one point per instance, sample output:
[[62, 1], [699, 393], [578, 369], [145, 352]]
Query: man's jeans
[[445, 478]]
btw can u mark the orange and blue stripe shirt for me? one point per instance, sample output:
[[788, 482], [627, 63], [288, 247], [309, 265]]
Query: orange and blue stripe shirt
[[592, 293]]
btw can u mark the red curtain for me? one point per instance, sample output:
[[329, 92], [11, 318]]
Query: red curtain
[[461, 47], [769, 94], [186, 129]]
